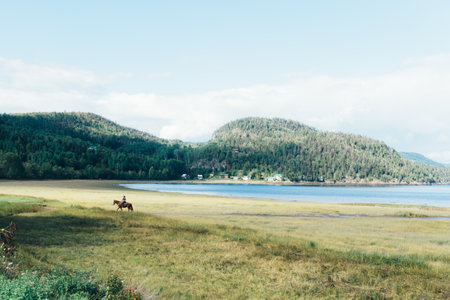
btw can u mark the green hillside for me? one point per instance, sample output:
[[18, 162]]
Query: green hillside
[[264, 146], [84, 145]]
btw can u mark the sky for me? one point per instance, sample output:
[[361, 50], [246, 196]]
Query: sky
[[182, 69]]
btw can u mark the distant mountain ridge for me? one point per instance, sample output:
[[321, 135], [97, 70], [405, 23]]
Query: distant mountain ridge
[[85, 145], [417, 157]]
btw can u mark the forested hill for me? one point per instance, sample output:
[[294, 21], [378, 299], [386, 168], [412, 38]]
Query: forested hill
[[86, 126], [84, 145], [300, 152]]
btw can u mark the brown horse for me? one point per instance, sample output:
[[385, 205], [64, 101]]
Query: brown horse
[[119, 205]]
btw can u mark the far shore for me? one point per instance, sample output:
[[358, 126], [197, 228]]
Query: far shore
[[240, 181], [301, 183]]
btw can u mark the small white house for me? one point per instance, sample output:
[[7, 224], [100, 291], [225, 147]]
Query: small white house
[[277, 177], [245, 178], [200, 177]]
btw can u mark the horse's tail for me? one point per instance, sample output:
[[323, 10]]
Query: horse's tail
[[131, 207]]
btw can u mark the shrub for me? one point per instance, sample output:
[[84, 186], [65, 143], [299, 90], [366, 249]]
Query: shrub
[[61, 284], [58, 283]]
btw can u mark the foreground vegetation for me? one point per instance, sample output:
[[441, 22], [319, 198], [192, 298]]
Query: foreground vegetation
[[83, 145], [376, 232], [175, 259], [19, 282], [63, 284], [207, 259]]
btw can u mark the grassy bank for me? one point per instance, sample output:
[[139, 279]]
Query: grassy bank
[[200, 252], [177, 259], [425, 238]]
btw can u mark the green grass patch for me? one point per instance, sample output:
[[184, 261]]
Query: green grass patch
[[63, 284], [175, 259], [10, 205], [409, 214]]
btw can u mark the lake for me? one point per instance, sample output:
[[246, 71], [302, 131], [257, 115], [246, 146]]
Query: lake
[[432, 195]]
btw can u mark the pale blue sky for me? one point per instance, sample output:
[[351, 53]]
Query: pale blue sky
[[161, 54], [208, 45]]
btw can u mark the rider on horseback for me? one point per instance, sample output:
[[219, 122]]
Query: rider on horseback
[[123, 202]]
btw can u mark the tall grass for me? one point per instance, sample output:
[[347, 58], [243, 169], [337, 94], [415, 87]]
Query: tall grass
[[174, 259], [10, 205]]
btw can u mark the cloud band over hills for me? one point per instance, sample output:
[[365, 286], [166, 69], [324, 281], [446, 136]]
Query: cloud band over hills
[[407, 108]]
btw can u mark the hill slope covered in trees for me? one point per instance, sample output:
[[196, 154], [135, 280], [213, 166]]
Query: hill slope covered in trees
[[265, 146], [84, 145]]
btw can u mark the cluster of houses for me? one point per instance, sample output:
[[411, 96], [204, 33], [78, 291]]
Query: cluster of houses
[[274, 178], [221, 176]]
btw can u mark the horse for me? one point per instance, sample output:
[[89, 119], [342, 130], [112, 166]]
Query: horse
[[119, 205]]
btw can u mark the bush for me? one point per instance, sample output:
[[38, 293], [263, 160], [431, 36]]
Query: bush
[[62, 284], [58, 283]]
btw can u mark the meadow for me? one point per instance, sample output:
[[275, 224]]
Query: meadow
[[190, 247]]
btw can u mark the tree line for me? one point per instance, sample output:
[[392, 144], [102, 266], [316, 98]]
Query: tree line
[[80, 145]]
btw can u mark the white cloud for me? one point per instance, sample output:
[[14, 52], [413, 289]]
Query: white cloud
[[23, 77], [408, 108]]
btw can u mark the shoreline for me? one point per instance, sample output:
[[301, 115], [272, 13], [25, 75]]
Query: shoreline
[[281, 183], [101, 192], [387, 194], [236, 182]]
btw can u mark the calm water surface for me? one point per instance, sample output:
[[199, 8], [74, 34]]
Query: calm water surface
[[436, 195]]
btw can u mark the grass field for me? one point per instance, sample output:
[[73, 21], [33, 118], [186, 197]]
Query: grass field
[[215, 247]]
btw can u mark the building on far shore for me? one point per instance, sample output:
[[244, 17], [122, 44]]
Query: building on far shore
[[200, 177], [223, 176], [276, 177]]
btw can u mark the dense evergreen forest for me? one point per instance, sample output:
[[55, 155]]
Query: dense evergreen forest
[[266, 146], [84, 145]]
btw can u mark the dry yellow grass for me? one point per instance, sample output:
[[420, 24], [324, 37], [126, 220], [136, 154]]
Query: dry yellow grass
[[399, 236], [101, 193], [277, 256]]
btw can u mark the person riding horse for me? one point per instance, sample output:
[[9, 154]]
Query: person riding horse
[[123, 202]]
